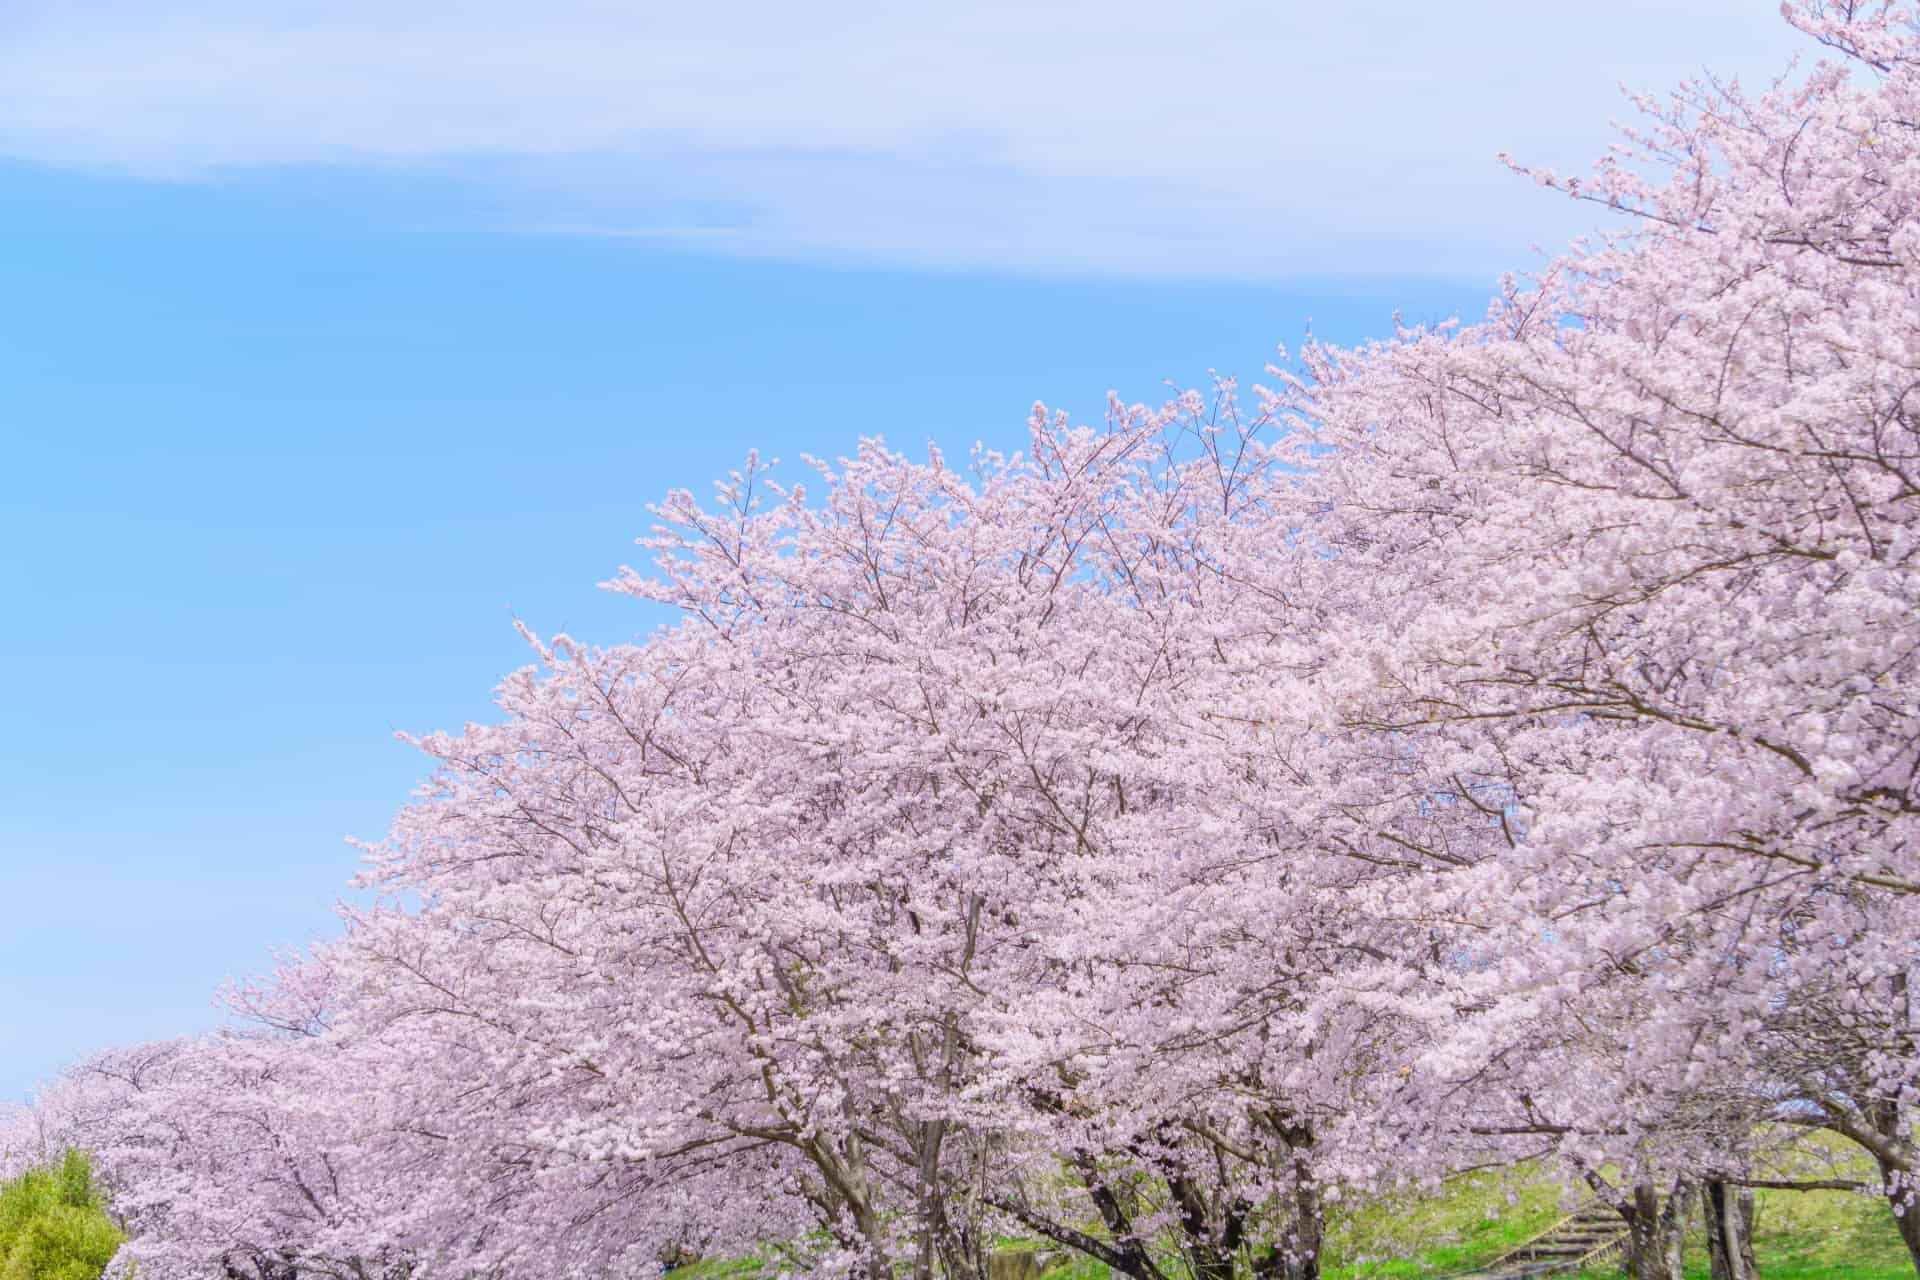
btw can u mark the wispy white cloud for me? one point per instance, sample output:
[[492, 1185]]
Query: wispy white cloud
[[1211, 137]]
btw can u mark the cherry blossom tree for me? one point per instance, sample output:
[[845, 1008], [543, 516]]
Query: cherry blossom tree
[[963, 833], [1661, 503], [24, 1141]]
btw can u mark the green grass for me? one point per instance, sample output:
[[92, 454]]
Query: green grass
[[1818, 1235], [1473, 1220], [1469, 1222], [1798, 1235], [721, 1269]]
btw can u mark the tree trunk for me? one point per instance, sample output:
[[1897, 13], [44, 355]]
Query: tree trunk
[[1208, 1256], [875, 1262], [1309, 1234], [1296, 1255], [1729, 1213], [1656, 1231], [1899, 1169], [932, 1227], [848, 1193], [1888, 1134], [962, 1250], [1903, 1197]]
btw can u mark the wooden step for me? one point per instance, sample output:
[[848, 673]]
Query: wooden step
[[1589, 1229]]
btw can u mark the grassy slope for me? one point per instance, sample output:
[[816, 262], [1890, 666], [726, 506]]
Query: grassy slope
[[1798, 1235], [721, 1269], [1473, 1220], [1819, 1235], [1812, 1235]]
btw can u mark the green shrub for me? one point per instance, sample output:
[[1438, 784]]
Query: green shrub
[[52, 1224]]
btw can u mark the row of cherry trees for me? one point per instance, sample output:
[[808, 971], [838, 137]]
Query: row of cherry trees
[[1495, 742]]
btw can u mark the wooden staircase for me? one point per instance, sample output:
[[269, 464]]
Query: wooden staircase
[[1593, 1234]]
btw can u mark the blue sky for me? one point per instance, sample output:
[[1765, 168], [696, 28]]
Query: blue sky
[[333, 341]]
